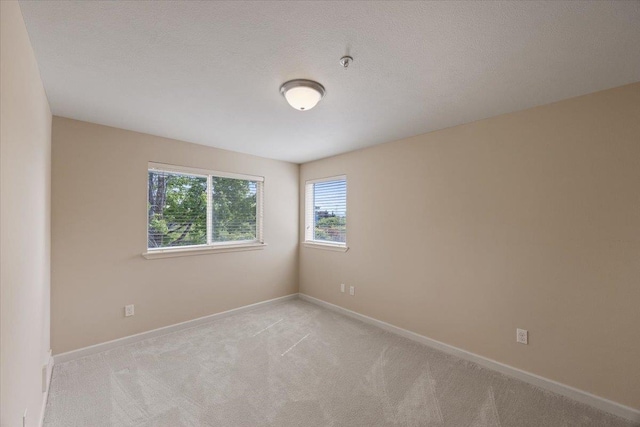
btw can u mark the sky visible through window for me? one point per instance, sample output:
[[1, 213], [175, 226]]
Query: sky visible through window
[[331, 196]]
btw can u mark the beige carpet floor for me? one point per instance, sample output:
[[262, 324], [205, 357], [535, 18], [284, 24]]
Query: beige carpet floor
[[297, 364]]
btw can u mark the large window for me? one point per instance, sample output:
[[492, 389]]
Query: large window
[[195, 208], [326, 211]]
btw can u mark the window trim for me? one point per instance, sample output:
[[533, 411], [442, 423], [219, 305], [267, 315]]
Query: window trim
[[321, 244], [165, 167], [210, 246], [308, 201], [202, 250]]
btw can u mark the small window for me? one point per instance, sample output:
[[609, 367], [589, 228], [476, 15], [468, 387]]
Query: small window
[[195, 208], [326, 211]]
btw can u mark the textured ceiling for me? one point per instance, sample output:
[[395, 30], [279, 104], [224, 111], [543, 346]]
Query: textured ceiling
[[209, 72]]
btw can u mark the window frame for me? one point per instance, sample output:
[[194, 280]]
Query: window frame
[[210, 246], [309, 215]]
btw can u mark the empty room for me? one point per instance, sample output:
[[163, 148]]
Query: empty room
[[320, 213]]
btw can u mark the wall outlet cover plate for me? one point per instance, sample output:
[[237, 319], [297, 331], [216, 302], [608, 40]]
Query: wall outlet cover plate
[[522, 336]]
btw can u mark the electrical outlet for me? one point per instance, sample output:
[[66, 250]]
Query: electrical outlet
[[128, 310], [352, 290], [341, 287], [522, 336]]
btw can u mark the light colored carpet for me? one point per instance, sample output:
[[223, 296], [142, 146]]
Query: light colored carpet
[[296, 364]]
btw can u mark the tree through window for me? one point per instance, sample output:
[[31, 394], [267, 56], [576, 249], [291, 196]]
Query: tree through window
[[193, 209]]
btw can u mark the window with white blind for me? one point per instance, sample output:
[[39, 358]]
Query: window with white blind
[[193, 208], [326, 211]]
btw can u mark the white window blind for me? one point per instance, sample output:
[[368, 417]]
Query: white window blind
[[326, 210], [192, 207]]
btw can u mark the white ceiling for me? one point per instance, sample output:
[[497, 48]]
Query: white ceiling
[[209, 72]]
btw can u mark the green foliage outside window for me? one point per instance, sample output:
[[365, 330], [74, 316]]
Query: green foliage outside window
[[331, 228], [177, 210], [234, 209]]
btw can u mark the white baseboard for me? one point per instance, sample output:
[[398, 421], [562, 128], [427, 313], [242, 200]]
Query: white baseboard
[[97, 348], [601, 403], [45, 397]]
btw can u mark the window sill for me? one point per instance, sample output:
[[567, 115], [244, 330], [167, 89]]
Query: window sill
[[202, 250], [326, 246]]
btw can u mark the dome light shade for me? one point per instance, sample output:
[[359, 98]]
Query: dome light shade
[[302, 95]]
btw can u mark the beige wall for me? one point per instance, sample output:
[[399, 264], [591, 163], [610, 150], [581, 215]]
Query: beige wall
[[99, 205], [528, 220], [25, 152]]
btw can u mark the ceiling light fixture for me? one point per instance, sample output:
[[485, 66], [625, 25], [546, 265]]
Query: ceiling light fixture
[[301, 94]]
